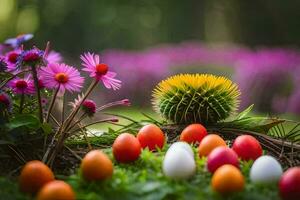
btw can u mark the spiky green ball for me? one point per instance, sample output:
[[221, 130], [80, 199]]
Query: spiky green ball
[[191, 98]]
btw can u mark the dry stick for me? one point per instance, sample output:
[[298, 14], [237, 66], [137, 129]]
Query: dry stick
[[73, 153], [52, 103], [85, 137], [62, 118], [38, 92], [76, 122], [55, 120], [17, 154], [62, 131]]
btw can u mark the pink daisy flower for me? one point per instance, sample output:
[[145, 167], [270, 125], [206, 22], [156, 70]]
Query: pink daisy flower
[[53, 57], [61, 76], [12, 59], [100, 71], [88, 106], [22, 85]]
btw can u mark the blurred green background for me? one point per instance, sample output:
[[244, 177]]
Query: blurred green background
[[76, 25]]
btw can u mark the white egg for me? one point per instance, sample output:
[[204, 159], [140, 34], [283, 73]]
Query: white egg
[[182, 145], [265, 169], [179, 164]]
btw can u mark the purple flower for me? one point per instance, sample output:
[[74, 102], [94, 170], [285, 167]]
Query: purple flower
[[17, 41], [3, 64], [31, 57], [22, 85]]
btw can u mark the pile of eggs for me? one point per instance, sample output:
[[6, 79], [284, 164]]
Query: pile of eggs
[[178, 163]]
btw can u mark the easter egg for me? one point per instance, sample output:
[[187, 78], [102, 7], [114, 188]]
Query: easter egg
[[247, 147], [193, 133], [56, 190], [178, 164], [126, 148], [265, 169], [151, 137], [227, 179], [209, 143], [182, 145], [221, 156], [289, 184], [96, 166], [34, 175]]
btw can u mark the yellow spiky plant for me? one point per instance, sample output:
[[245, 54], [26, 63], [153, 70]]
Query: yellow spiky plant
[[190, 98]]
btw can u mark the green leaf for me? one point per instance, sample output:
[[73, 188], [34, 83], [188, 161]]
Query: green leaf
[[47, 128], [24, 121], [245, 112], [266, 125]]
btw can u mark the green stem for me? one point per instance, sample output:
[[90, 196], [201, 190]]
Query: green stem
[[76, 110], [52, 104], [22, 102], [63, 109], [38, 92], [62, 133], [76, 122]]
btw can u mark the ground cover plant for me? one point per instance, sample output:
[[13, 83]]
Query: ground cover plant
[[201, 148]]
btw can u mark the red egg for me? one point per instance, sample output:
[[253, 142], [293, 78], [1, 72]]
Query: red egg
[[289, 184], [151, 137], [126, 148], [247, 147], [193, 133], [221, 156]]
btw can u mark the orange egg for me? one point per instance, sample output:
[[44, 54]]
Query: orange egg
[[209, 143], [227, 179], [56, 190], [96, 166], [34, 175]]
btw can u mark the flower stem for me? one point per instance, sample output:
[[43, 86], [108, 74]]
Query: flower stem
[[22, 102], [38, 92], [62, 132], [52, 104], [63, 109], [72, 115]]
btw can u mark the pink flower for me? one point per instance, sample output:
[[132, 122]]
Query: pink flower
[[89, 107], [61, 76], [12, 59], [22, 85], [30, 57], [53, 57], [100, 71], [5, 102]]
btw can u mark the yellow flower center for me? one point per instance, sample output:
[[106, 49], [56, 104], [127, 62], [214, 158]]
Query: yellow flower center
[[61, 77]]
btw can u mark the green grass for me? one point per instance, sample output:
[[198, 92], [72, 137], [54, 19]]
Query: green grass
[[144, 179]]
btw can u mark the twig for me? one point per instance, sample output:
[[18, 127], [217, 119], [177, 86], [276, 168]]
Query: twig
[[73, 153]]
